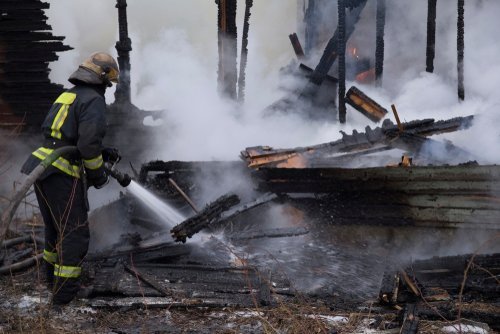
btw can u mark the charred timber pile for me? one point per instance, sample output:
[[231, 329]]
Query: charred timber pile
[[166, 285], [334, 154], [26, 48], [464, 286], [461, 195], [174, 275]]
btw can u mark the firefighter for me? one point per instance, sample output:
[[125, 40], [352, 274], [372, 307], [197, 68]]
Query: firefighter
[[77, 118]]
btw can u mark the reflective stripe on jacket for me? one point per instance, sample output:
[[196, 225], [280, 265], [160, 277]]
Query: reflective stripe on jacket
[[76, 118]]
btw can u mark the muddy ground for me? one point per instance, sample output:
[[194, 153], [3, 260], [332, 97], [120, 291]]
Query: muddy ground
[[345, 302], [25, 308]]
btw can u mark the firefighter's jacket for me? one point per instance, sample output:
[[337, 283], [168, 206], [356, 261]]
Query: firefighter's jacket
[[77, 118]]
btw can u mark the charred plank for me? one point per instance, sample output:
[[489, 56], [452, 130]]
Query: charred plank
[[201, 220], [297, 47], [410, 320], [365, 105]]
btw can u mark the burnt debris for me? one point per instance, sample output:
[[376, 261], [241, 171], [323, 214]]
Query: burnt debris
[[447, 287]]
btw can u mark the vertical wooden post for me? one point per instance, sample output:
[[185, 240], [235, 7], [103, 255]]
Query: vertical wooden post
[[460, 49], [379, 50], [227, 73], [341, 55], [431, 35], [123, 47], [244, 52], [396, 116], [330, 53]]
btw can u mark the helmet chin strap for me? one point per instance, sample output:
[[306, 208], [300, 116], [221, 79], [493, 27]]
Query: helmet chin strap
[[105, 79]]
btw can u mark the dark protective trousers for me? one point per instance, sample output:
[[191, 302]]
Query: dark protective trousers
[[63, 207]]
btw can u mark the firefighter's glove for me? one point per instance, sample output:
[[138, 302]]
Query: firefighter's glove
[[99, 182], [111, 155]]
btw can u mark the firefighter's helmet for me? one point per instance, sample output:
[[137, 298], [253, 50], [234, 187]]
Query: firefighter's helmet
[[98, 69]]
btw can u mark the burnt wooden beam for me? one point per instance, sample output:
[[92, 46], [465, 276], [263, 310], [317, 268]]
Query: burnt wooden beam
[[244, 52], [309, 71], [341, 46], [239, 209], [8, 26], [330, 54], [227, 44], [431, 35], [460, 49], [203, 219], [123, 47], [33, 36], [23, 5], [379, 48], [365, 105], [297, 47]]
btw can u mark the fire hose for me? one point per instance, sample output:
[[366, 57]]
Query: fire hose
[[6, 218]]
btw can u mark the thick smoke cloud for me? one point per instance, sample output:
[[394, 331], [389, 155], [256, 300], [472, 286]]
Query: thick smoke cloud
[[175, 56]]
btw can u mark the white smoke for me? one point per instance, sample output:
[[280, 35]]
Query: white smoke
[[174, 64]]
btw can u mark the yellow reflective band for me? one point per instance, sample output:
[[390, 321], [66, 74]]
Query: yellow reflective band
[[93, 163], [61, 163], [66, 99], [59, 121], [50, 257], [67, 271]]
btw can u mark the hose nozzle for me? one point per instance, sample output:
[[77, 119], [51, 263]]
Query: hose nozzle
[[123, 178]]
